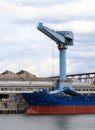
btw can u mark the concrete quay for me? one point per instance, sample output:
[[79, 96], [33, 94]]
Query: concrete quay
[[13, 107]]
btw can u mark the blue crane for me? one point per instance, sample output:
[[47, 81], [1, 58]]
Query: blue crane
[[62, 39]]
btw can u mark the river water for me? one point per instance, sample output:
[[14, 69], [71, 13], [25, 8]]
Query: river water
[[49, 122]]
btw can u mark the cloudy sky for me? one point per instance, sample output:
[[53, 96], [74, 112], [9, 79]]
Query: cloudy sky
[[22, 46]]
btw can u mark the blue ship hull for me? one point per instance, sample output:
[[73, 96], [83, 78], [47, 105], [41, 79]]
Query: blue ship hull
[[44, 103]]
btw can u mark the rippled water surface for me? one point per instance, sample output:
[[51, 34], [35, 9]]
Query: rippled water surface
[[50, 122]]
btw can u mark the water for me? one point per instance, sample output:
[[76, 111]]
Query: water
[[50, 122]]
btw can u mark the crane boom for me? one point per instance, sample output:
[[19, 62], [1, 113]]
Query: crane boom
[[51, 34]]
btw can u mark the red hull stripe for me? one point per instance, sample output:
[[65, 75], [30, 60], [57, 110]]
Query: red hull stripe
[[85, 109]]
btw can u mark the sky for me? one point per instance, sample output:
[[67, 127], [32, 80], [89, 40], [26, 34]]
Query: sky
[[23, 47]]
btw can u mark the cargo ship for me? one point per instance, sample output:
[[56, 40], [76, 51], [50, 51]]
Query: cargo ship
[[45, 103], [64, 99]]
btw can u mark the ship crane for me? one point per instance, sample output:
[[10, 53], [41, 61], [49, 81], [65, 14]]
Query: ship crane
[[62, 39]]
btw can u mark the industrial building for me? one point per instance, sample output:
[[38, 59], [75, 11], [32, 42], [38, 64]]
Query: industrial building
[[21, 81]]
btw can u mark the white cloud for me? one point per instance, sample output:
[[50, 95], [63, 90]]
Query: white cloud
[[37, 3], [12, 67], [80, 26], [7, 13], [22, 46], [54, 12], [50, 67], [31, 69], [69, 66]]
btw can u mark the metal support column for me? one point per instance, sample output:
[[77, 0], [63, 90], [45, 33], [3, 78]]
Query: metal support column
[[62, 64]]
